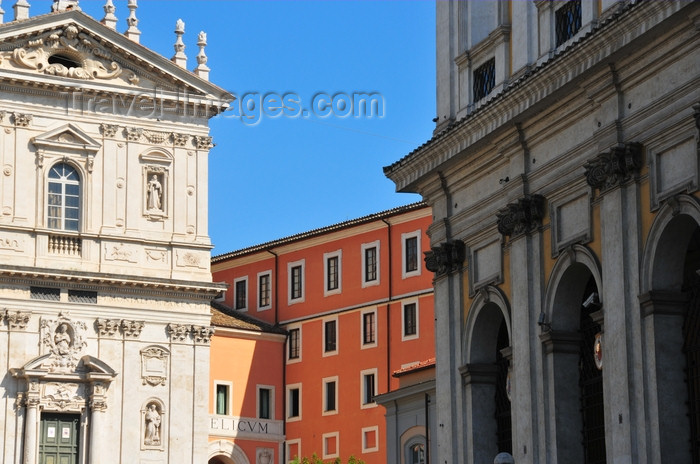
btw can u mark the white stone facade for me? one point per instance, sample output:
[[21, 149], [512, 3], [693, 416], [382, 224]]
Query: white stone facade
[[563, 179], [105, 284]]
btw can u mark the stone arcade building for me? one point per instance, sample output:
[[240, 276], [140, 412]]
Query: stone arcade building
[[564, 179], [105, 285]]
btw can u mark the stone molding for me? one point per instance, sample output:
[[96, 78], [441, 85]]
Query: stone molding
[[521, 217], [445, 258], [611, 169], [556, 341], [479, 373], [154, 366]]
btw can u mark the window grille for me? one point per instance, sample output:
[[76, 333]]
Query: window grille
[[568, 21], [81, 296], [44, 293], [484, 79]]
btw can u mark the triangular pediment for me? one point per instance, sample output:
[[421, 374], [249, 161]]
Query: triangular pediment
[[71, 50], [67, 138]]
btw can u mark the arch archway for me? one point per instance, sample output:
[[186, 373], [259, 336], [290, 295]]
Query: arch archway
[[226, 452], [487, 334], [571, 320], [670, 304]]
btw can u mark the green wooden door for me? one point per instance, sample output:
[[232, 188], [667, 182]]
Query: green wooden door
[[59, 438]]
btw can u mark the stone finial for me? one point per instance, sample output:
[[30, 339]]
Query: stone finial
[[110, 20], [133, 32], [180, 58], [21, 10], [63, 5], [202, 70]]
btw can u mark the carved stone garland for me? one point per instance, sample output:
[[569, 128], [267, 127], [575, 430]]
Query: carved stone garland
[[446, 257], [521, 217], [613, 168]]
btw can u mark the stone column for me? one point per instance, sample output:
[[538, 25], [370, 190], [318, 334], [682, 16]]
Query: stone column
[[613, 173], [30, 429], [480, 386], [522, 222], [446, 261], [98, 407]]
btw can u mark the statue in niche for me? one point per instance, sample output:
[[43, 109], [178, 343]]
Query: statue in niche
[[155, 194], [62, 339], [152, 437]]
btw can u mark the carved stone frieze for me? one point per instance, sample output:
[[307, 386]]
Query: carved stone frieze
[[190, 259], [62, 396], [446, 257], [155, 136], [22, 120], [154, 366], [202, 335], [122, 253], [17, 320], [80, 56], [109, 130], [180, 140], [203, 143], [133, 134], [178, 332], [522, 216], [107, 327], [132, 329], [11, 244], [611, 169]]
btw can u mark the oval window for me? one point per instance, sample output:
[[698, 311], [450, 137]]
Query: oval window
[[64, 60]]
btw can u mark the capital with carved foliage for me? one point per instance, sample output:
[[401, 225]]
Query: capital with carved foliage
[[521, 217], [613, 168], [446, 257]]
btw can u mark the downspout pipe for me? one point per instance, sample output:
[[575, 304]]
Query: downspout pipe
[[388, 306]]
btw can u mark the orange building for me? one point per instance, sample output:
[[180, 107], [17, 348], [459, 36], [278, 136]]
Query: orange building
[[357, 306], [246, 422]]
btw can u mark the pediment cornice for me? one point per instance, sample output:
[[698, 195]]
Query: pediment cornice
[[83, 52]]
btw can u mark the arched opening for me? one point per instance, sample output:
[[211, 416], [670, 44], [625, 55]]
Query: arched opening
[[575, 398], [691, 339], [63, 201], [485, 375], [221, 460]]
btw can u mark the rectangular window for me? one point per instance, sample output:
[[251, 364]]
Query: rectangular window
[[330, 395], [568, 20], [484, 79], [330, 445], [265, 402], [368, 328], [223, 393], [295, 271], [45, 293], [240, 293], [411, 246], [294, 402], [294, 343], [264, 291], [330, 330], [370, 442], [410, 325], [82, 296], [368, 387], [332, 272], [371, 264]]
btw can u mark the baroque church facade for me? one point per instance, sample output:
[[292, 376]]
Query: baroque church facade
[[564, 179], [105, 282]]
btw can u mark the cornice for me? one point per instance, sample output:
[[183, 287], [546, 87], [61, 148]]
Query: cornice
[[533, 91]]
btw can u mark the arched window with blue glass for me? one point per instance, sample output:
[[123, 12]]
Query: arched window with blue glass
[[64, 198]]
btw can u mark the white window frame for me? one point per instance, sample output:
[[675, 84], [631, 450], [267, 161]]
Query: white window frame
[[405, 303], [288, 444], [363, 345], [301, 263], [235, 293], [404, 237], [374, 429], [267, 273], [364, 248], [288, 389], [326, 436], [326, 257], [363, 373], [272, 401], [325, 381], [323, 337], [294, 360], [229, 388]]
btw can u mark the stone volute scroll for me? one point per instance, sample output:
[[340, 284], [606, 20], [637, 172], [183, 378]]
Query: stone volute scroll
[[446, 257], [613, 168], [521, 217]]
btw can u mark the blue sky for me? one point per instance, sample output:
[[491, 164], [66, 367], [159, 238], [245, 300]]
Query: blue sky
[[288, 175]]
